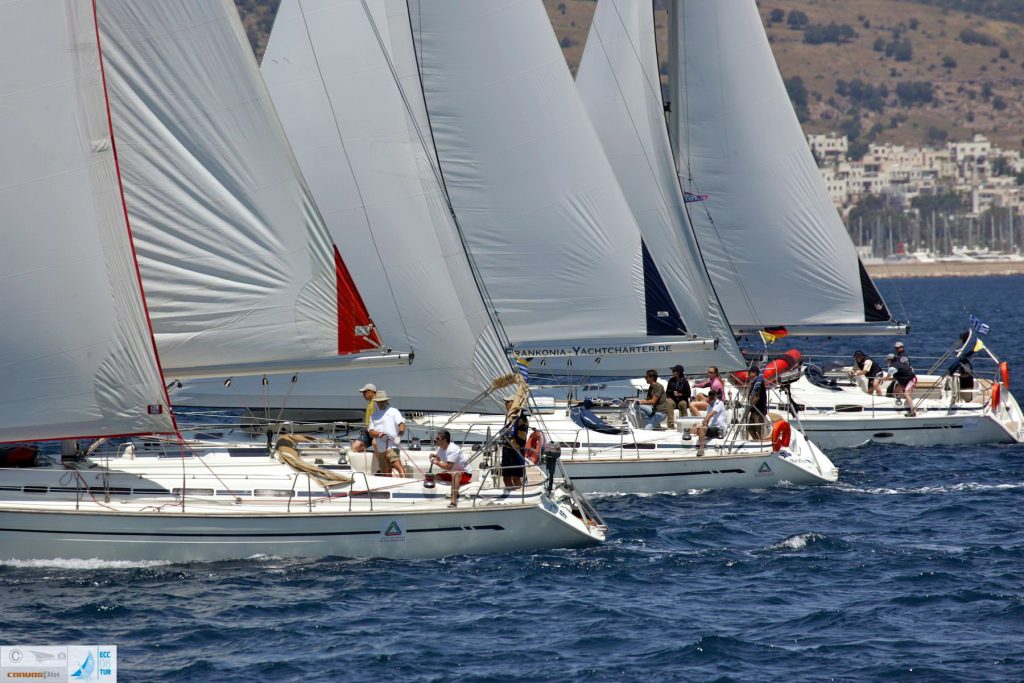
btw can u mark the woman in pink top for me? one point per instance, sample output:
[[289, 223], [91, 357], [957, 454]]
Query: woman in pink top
[[714, 381]]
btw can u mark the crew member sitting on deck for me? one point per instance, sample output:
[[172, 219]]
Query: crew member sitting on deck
[[700, 401], [714, 424], [450, 457], [677, 394], [654, 407]]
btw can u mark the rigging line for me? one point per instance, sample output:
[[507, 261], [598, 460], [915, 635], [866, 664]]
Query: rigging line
[[352, 171], [430, 150], [682, 84]]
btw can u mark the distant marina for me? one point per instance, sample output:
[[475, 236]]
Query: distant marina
[[962, 263]]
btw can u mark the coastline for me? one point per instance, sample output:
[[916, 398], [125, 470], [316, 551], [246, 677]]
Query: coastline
[[946, 269]]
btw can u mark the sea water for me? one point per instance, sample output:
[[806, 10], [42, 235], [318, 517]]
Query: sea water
[[910, 568]]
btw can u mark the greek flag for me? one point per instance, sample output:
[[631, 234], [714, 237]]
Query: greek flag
[[522, 367], [691, 197], [981, 327]]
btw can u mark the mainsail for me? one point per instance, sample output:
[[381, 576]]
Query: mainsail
[[343, 77], [620, 85], [237, 263], [773, 243], [77, 356], [542, 214]]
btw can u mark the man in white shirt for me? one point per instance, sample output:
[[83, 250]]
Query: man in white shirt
[[386, 429], [451, 458], [715, 421]]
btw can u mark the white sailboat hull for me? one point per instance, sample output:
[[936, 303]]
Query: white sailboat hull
[[176, 537], [649, 461], [847, 417], [239, 504]]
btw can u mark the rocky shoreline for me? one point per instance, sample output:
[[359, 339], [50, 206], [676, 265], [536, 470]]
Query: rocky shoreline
[[948, 269]]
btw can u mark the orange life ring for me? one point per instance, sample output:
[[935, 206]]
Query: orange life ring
[[1004, 373], [995, 395], [534, 446], [781, 433]]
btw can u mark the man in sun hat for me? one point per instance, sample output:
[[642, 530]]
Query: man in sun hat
[[387, 427], [363, 441], [906, 379]]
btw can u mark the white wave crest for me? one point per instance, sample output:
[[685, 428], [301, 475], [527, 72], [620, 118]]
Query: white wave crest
[[797, 542]]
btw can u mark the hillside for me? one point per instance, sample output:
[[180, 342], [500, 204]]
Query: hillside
[[904, 71]]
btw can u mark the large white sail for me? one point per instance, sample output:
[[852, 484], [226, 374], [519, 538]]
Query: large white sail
[[237, 262], [538, 203], [620, 84], [343, 78], [774, 245], [77, 356]]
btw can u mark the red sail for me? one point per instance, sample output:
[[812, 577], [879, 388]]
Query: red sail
[[356, 331]]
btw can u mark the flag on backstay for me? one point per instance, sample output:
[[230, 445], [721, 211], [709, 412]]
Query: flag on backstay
[[523, 367], [979, 326], [691, 197]]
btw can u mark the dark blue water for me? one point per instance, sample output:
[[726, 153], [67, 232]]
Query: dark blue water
[[912, 568]]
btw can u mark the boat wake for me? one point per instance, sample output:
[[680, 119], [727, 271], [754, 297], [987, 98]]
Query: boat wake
[[84, 565], [969, 486]]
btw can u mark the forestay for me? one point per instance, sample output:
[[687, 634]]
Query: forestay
[[774, 245], [236, 260], [343, 78], [620, 85], [77, 357], [541, 211]]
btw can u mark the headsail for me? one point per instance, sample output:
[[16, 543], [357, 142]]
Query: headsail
[[774, 245], [620, 84], [343, 77], [237, 262], [537, 201], [77, 356]]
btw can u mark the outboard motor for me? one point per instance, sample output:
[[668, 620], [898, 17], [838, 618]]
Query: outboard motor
[[552, 452]]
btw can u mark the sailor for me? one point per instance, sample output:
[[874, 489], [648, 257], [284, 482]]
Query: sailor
[[970, 344], [906, 379], [714, 381], [715, 421], [451, 458], [870, 370], [677, 394], [516, 431], [363, 441], [654, 407], [387, 425]]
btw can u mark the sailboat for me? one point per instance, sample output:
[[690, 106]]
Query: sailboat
[[359, 124], [146, 160], [531, 186], [778, 256]]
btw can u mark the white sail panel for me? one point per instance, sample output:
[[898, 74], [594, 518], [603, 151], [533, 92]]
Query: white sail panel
[[237, 262], [620, 84], [333, 69], [544, 218], [774, 245], [76, 355]]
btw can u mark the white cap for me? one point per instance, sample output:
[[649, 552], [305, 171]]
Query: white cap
[[368, 387]]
